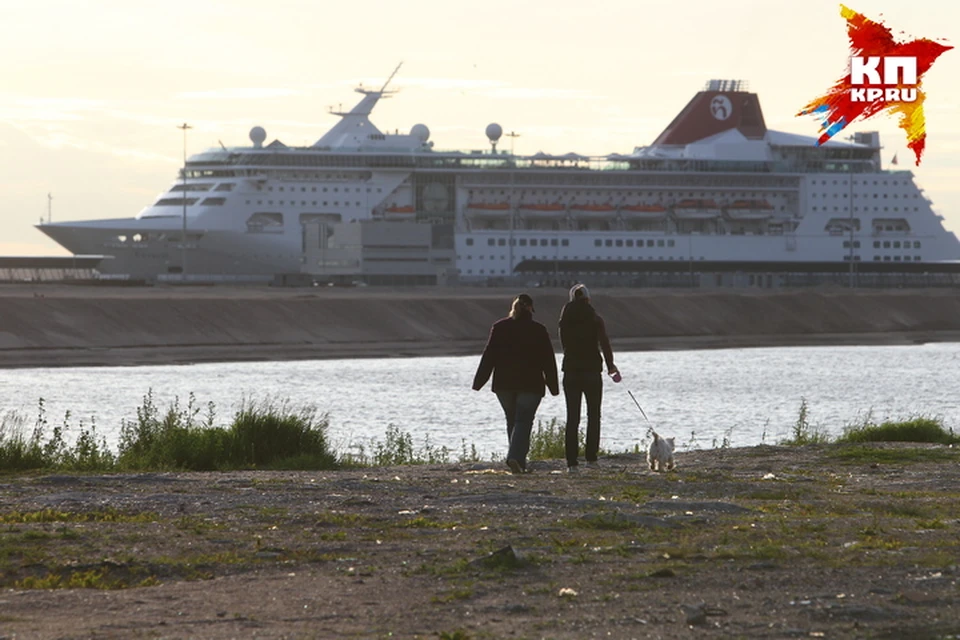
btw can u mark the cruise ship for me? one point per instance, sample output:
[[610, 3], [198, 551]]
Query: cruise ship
[[715, 186]]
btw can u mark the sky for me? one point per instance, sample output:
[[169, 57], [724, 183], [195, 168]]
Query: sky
[[92, 91]]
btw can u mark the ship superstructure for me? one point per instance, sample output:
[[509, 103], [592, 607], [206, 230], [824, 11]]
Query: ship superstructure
[[715, 185]]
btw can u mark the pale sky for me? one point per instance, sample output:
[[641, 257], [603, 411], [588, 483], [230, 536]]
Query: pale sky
[[92, 91]]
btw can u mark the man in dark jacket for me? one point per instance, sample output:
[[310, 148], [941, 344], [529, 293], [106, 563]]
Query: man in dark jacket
[[583, 335], [520, 357]]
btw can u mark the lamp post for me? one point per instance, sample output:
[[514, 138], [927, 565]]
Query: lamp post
[[183, 237]]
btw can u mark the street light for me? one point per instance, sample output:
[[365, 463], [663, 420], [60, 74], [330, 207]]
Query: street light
[[183, 238]]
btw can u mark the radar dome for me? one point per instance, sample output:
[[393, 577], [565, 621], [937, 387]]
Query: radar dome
[[494, 131], [420, 131], [257, 136]]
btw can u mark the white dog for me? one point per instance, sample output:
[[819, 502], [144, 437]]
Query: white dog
[[660, 453]]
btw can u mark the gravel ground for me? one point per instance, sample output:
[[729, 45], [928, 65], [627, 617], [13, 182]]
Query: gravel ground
[[822, 541]]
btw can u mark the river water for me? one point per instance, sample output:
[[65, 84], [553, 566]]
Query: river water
[[704, 398]]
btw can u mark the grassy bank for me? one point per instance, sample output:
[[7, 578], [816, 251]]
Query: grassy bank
[[275, 435]]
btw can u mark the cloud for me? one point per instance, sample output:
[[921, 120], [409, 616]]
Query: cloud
[[531, 93], [22, 108], [240, 93], [446, 83]]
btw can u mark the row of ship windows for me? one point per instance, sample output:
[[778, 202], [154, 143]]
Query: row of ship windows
[[523, 242], [180, 202], [845, 258], [866, 209], [858, 195], [597, 258], [893, 183], [303, 203], [886, 244], [544, 242], [314, 189], [886, 259], [226, 186], [617, 194]]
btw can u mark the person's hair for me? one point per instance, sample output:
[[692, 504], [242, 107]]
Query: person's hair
[[579, 292], [520, 308]]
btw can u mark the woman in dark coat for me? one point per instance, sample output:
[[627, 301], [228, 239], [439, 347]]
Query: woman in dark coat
[[583, 335], [520, 356]]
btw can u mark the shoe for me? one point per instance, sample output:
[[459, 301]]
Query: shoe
[[573, 469], [514, 466], [593, 464]]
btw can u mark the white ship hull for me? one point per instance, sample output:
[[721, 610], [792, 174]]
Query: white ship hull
[[721, 189]]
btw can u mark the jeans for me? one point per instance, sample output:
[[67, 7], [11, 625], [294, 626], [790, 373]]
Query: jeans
[[576, 386], [519, 407]]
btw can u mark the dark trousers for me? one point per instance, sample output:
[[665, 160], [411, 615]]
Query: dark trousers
[[576, 386], [519, 408]]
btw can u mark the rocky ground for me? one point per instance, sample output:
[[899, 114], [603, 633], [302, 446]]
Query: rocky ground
[[824, 541]]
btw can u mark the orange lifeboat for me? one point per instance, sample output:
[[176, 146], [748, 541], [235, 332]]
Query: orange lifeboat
[[554, 206], [489, 206], [696, 209], [750, 204], [595, 211], [398, 212], [592, 207], [749, 210], [643, 212], [645, 208], [550, 210]]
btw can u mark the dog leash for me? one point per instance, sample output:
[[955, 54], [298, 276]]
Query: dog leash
[[638, 406]]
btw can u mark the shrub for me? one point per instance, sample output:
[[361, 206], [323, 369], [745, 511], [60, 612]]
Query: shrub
[[919, 429]]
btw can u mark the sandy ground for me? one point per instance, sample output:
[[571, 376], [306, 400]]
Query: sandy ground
[[760, 542]]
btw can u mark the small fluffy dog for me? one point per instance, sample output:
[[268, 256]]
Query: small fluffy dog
[[660, 453]]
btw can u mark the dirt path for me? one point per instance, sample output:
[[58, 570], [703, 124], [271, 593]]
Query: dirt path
[[760, 542]]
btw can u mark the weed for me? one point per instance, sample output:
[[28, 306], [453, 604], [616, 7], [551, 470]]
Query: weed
[[803, 432]]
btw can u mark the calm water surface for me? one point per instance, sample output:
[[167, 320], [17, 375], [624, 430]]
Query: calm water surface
[[746, 396]]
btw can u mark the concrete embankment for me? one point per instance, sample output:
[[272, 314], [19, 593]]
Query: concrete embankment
[[49, 326]]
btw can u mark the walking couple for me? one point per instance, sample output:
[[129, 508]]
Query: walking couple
[[520, 356]]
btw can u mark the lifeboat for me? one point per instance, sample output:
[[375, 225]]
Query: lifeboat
[[489, 206], [488, 210], [543, 210], [593, 211], [749, 210], [643, 212], [696, 209], [400, 212]]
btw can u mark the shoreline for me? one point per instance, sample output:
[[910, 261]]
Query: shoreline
[[41, 357]]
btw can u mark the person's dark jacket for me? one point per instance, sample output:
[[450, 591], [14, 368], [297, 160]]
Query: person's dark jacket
[[520, 356], [583, 335]]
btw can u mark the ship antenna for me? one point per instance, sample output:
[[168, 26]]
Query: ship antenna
[[49, 208], [512, 135], [384, 87]]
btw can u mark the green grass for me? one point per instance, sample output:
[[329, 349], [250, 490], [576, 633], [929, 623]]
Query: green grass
[[273, 435], [548, 441], [268, 435], [919, 429]]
